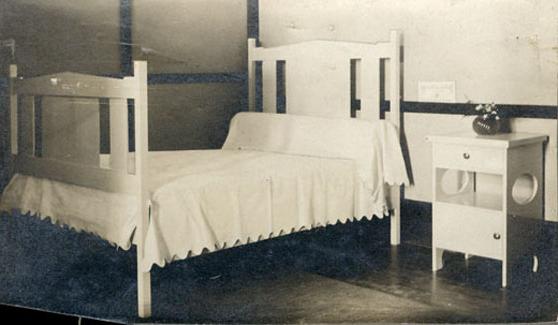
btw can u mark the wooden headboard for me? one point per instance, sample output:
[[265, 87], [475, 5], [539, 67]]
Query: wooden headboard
[[327, 78], [323, 78]]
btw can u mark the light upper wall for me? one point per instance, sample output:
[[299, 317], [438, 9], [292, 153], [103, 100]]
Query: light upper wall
[[502, 51], [193, 36], [63, 35]]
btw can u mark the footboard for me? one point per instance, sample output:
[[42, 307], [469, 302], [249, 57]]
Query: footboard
[[63, 144], [55, 128]]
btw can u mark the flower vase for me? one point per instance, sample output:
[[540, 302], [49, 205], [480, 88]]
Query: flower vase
[[486, 126]]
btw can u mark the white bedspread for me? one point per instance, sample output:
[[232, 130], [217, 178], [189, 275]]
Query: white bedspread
[[108, 215], [204, 200], [235, 197]]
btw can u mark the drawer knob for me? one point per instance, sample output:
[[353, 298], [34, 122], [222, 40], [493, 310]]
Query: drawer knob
[[496, 236], [466, 155]]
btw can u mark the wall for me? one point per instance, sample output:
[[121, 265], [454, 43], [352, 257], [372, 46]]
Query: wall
[[495, 51], [504, 45], [192, 36], [63, 35]]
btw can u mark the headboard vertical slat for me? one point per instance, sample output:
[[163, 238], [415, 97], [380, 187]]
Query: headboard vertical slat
[[118, 112], [269, 86], [369, 88], [395, 78], [251, 75]]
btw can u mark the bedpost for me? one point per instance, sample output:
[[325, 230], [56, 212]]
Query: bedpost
[[395, 117], [13, 109], [142, 148], [251, 75]]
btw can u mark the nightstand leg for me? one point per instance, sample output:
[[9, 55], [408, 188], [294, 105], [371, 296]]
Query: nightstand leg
[[437, 262]]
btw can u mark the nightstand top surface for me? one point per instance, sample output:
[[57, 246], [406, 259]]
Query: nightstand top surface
[[502, 140]]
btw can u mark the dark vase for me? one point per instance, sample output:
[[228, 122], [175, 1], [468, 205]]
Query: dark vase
[[486, 126]]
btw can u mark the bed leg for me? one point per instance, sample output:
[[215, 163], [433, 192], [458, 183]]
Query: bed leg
[[395, 222], [142, 149], [144, 294]]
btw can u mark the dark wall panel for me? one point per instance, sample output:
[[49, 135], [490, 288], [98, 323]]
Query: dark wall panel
[[191, 116], [63, 35]]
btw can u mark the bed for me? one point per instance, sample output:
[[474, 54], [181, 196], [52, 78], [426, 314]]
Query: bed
[[276, 174]]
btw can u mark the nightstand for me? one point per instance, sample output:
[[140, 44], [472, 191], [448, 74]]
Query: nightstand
[[487, 195]]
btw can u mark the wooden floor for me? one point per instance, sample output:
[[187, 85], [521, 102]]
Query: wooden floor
[[344, 273]]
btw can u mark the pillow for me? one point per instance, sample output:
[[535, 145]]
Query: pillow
[[373, 145]]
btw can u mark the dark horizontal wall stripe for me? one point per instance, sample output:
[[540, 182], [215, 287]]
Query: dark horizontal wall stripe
[[524, 111], [510, 111], [188, 78], [384, 106], [126, 37], [114, 75]]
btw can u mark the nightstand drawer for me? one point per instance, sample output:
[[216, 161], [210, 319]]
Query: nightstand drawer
[[469, 158], [468, 230]]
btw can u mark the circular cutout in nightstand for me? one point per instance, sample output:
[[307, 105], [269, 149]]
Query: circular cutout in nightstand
[[454, 181], [524, 189]]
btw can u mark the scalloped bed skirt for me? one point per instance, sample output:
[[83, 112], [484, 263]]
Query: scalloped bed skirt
[[206, 200]]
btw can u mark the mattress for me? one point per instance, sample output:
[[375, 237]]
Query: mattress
[[206, 200]]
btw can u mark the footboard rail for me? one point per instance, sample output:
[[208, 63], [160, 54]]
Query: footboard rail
[[27, 137]]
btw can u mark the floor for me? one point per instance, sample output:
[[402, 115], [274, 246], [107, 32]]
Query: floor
[[343, 273]]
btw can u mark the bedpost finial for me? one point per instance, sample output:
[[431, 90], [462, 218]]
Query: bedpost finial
[[13, 71], [251, 43], [140, 68], [395, 35]]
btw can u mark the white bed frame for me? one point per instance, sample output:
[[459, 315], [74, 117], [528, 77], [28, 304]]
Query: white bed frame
[[317, 77]]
